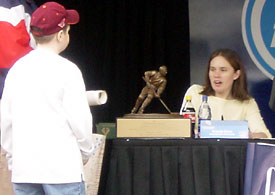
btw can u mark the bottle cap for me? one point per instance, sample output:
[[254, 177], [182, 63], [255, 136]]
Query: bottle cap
[[188, 97], [204, 98]]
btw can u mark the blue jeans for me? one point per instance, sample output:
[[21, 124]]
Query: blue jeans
[[77, 188]]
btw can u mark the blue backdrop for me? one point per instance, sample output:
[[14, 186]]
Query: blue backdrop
[[247, 28]]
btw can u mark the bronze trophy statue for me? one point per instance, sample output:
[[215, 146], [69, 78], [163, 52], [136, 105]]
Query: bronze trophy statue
[[155, 85], [139, 124]]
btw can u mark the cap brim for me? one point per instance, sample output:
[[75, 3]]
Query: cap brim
[[72, 17]]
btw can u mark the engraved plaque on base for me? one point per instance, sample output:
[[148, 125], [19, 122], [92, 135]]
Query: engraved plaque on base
[[153, 125]]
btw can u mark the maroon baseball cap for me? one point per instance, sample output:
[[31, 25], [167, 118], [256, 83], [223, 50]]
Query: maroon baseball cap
[[51, 17]]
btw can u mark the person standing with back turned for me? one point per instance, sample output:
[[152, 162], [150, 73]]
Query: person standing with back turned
[[46, 126]]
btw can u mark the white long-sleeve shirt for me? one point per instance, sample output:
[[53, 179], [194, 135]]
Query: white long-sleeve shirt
[[46, 123], [230, 109]]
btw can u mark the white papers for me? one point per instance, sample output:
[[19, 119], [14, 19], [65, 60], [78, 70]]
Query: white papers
[[92, 170], [266, 144], [96, 97]]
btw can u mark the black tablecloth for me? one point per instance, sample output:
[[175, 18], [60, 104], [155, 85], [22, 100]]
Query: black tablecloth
[[174, 166]]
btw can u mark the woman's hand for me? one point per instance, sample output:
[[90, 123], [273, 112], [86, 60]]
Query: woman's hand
[[257, 135]]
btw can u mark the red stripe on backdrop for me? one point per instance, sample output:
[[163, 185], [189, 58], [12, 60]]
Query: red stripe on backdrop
[[14, 43]]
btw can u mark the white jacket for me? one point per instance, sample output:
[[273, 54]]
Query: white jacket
[[46, 123]]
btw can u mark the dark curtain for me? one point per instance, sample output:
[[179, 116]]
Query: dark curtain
[[174, 166], [116, 41]]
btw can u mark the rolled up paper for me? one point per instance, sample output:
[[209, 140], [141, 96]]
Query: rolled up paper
[[96, 97]]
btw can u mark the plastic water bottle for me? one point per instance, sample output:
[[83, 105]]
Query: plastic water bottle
[[188, 111], [204, 112]]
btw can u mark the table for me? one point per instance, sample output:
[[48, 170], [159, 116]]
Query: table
[[174, 166]]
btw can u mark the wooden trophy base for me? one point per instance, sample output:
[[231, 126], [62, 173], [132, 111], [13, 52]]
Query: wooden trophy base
[[153, 125]]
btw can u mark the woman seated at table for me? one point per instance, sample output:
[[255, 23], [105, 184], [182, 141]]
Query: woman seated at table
[[228, 97]]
